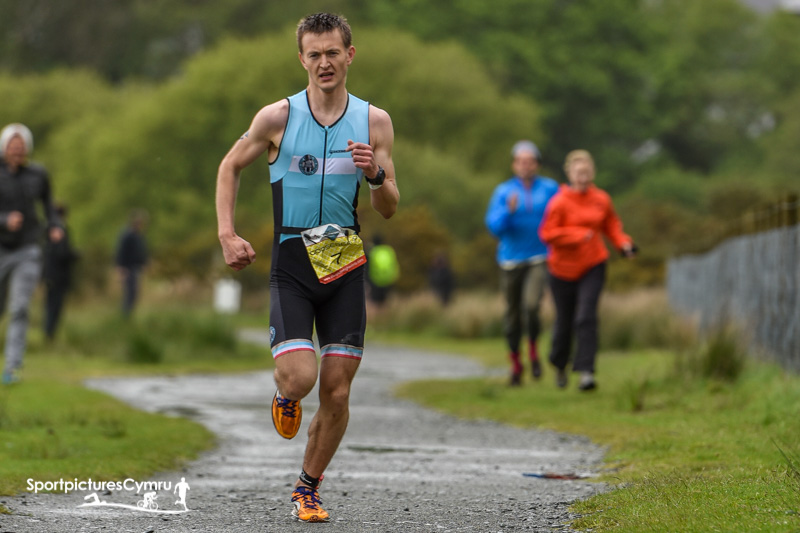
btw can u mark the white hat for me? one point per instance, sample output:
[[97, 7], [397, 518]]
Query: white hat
[[526, 147], [11, 131]]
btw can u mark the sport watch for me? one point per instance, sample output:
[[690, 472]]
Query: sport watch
[[377, 181]]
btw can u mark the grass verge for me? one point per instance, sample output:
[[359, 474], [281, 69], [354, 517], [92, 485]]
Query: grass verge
[[52, 428], [685, 453]]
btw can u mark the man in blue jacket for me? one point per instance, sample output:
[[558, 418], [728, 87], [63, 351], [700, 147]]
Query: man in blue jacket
[[515, 212]]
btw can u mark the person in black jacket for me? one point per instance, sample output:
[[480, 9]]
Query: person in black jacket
[[131, 258], [59, 258], [22, 187]]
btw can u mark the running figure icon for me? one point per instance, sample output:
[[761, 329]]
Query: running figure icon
[[181, 488]]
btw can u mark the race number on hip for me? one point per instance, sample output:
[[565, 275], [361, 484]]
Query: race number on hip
[[333, 251]]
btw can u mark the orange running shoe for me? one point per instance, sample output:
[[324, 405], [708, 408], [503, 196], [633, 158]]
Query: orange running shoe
[[286, 415], [307, 505]]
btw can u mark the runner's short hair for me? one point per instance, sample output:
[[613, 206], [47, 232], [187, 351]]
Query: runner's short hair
[[526, 147], [577, 155], [320, 23]]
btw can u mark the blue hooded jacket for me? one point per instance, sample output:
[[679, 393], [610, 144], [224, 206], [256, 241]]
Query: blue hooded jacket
[[518, 232]]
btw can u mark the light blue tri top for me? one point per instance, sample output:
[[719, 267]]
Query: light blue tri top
[[314, 181]]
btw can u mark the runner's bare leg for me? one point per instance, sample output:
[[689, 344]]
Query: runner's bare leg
[[330, 422], [296, 373]]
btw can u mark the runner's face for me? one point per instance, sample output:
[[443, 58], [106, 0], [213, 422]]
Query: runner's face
[[580, 174], [326, 59], [15, 151], [525, 165]]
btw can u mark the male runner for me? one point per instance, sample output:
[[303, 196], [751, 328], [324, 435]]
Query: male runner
[[513, 217], [320, 143]]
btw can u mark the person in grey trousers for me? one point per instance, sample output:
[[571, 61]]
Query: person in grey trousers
[[513, 217], [22, 186]]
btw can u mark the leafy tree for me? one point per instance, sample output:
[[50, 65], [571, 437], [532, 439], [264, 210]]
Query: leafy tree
[[779, 66], [780, 61], [705, 96], [42, 34], [608, 75], [122, 39], [583, 63], [48, 101], [782, 158]]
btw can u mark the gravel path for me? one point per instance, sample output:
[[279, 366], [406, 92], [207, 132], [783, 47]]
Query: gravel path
[[400, 468]]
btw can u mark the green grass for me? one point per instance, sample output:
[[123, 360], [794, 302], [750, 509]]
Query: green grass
[[163, 338], [685, 453], [52, 428]]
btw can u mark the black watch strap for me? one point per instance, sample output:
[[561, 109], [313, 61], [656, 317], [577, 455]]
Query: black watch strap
[[379, 177]]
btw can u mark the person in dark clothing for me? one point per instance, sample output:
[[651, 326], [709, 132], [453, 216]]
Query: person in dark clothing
[[441, 278], [131, 258], [59, 258], [22, 187]]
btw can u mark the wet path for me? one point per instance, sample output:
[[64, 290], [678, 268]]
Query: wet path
[[400, 468]]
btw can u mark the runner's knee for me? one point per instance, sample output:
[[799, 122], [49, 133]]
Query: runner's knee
[[335, 397], [297, 382]]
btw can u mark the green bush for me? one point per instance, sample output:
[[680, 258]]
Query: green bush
[[469, 316], [720, 357], [152, 336], [723, 357], [641, 319], [143, 348]]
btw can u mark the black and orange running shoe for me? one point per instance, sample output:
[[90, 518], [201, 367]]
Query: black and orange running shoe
[[307, 505], [286, 415]]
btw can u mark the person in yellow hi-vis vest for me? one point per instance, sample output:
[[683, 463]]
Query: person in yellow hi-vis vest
[[383, 271]]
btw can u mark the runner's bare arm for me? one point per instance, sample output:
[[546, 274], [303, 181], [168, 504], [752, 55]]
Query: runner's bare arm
[[263, 136], [379, 153]]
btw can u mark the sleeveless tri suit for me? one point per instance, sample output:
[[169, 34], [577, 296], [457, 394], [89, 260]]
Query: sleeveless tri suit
[[315, 184]]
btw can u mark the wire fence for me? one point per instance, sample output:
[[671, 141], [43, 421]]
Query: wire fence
[[751, 281]]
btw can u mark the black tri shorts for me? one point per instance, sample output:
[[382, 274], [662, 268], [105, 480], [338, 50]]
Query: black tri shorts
[[298, 302]]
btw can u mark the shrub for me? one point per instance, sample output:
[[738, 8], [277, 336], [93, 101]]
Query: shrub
[[151, 336], [641, 319], [142, 348], [721, 356], [469, 315]]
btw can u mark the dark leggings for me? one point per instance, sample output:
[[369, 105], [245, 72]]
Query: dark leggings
[[576, 310], [523, 288]]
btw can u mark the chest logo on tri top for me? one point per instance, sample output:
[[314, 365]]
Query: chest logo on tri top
[[308, 164]]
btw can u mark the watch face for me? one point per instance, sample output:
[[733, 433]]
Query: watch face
[[379, 177]]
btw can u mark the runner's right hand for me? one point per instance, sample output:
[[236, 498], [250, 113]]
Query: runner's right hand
[[14, 220], [238, 252]]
